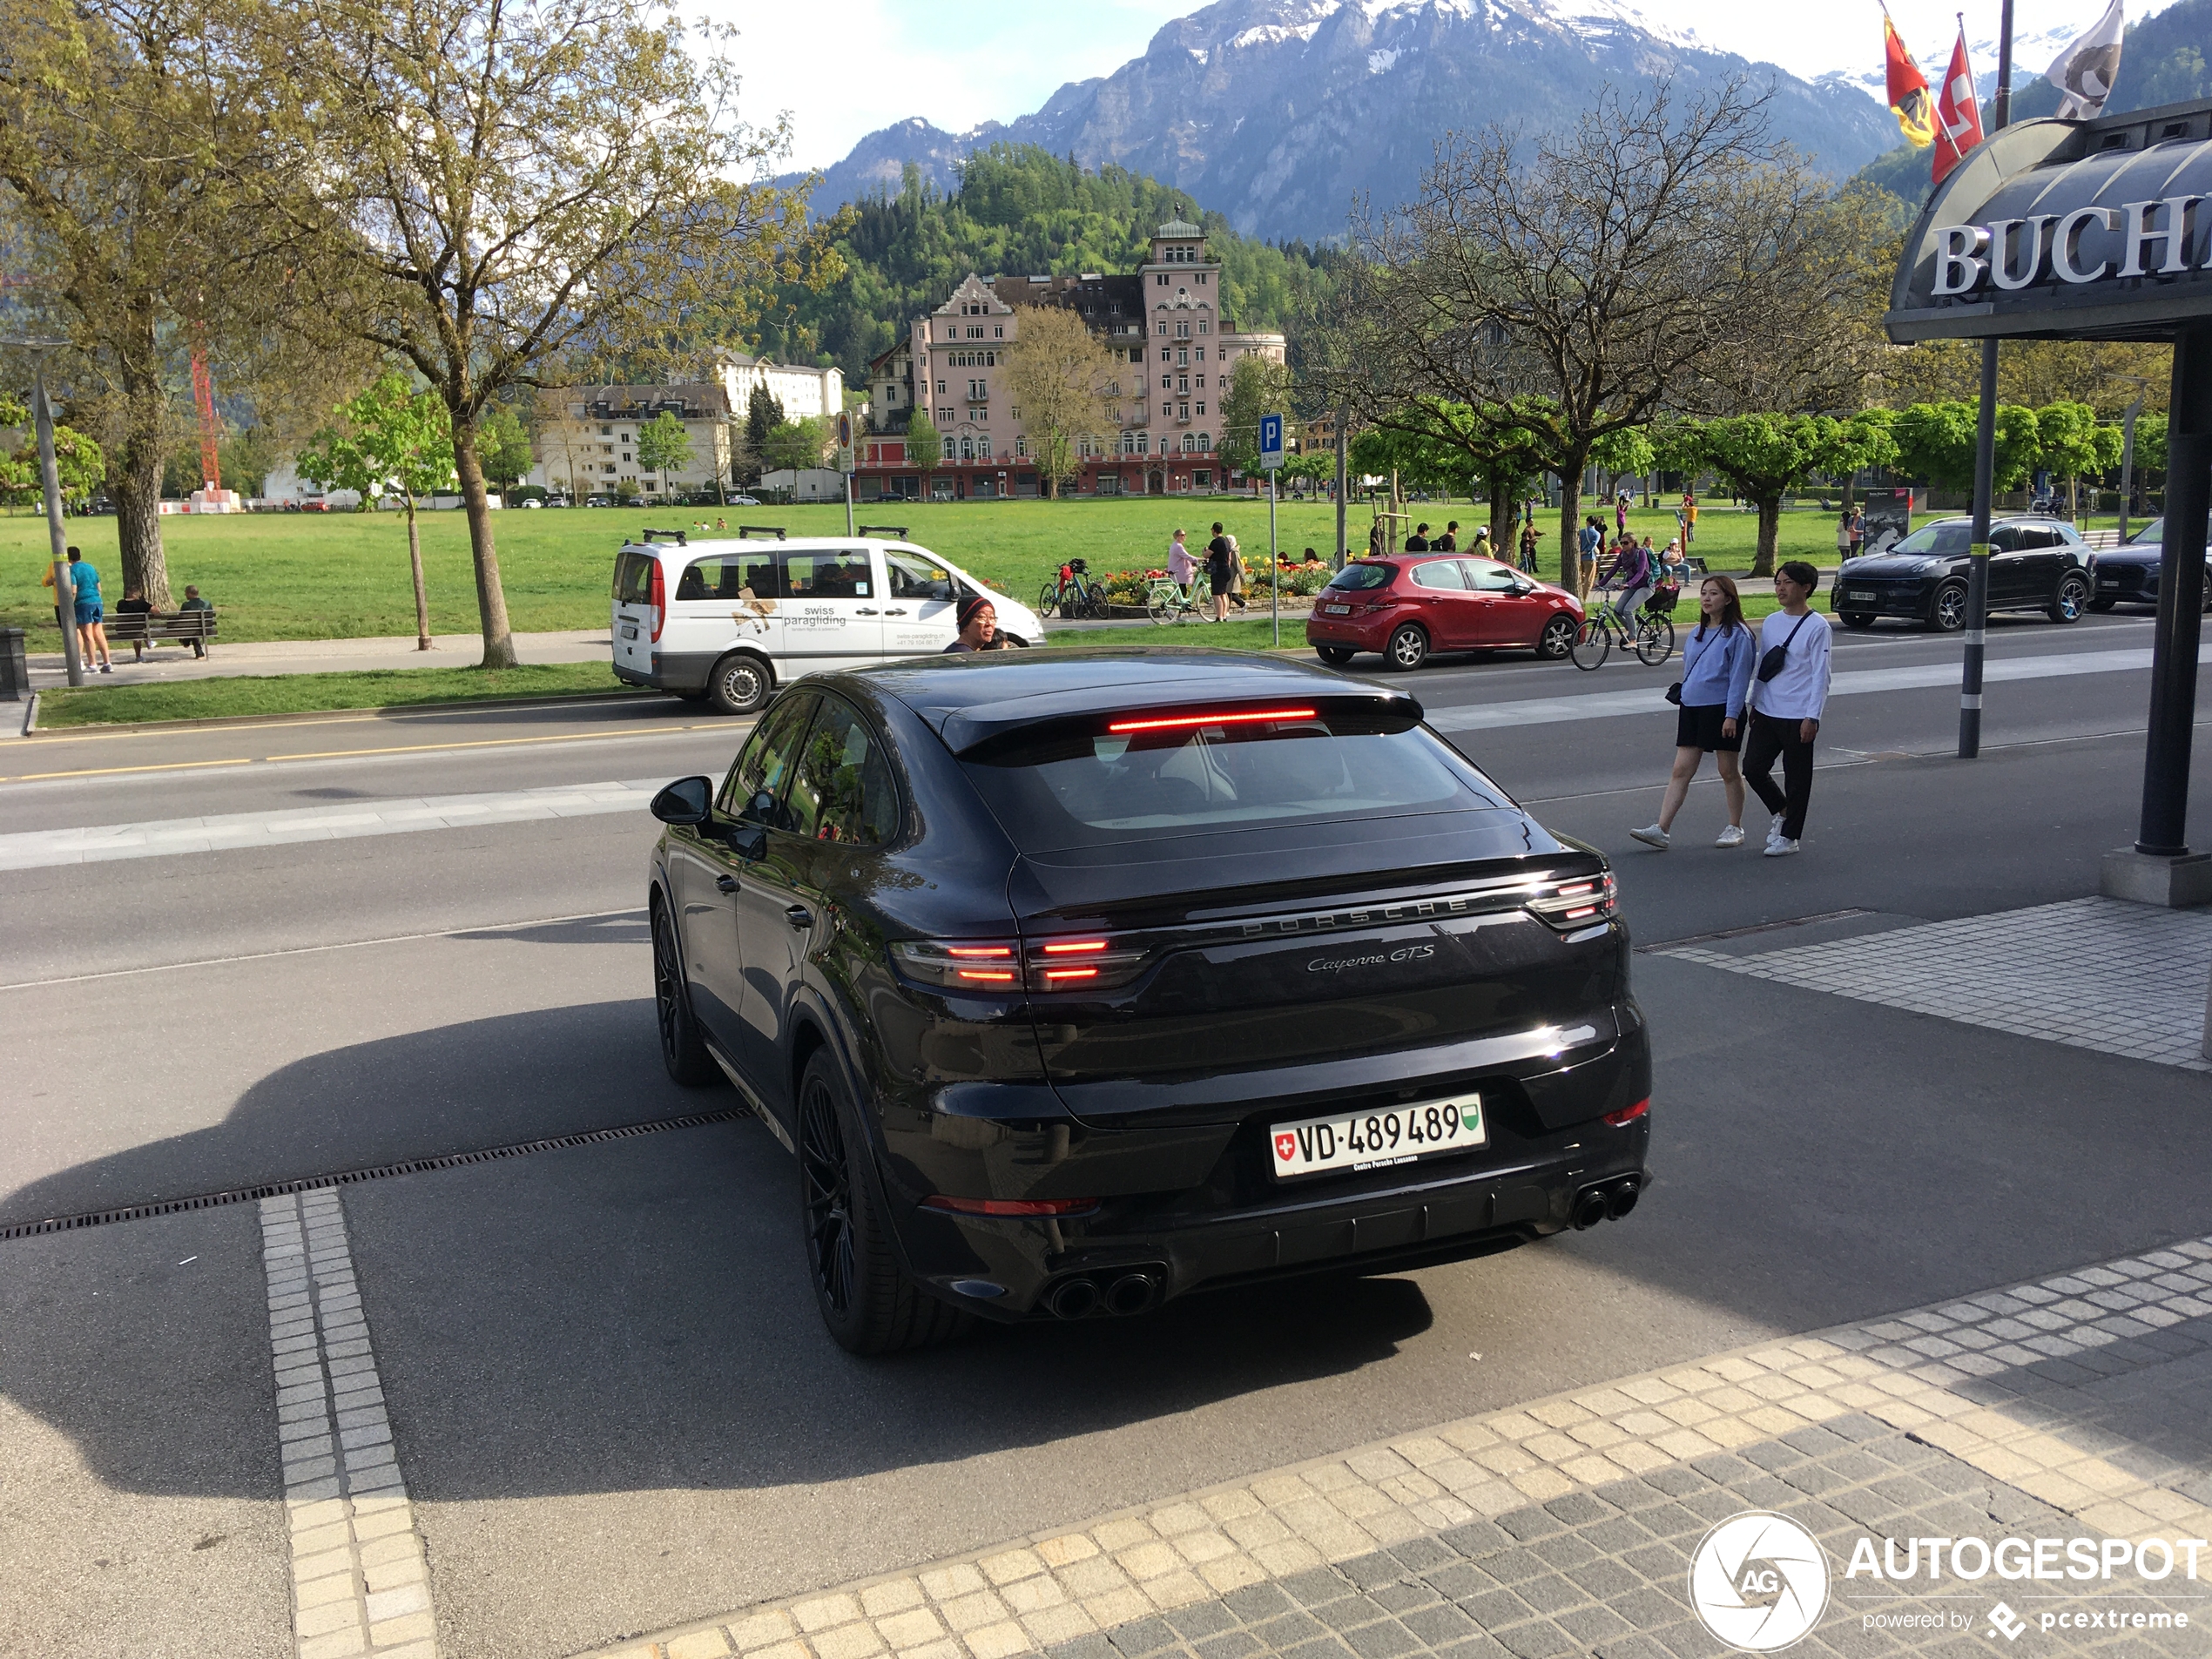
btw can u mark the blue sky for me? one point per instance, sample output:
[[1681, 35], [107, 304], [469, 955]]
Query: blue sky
[[844, 69]]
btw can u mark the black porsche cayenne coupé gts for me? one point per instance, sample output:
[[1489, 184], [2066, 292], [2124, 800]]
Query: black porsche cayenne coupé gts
[[1079, 981]]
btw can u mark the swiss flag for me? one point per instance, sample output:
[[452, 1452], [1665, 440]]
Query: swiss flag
[[1958, 112], [1285, 1147]]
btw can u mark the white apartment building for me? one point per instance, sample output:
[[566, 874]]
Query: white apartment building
[[588, 446], [801, 390]]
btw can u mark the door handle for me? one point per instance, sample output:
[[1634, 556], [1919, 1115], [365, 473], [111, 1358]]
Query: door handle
[[864, 611], [798, 916], [896, 611], [725, 884]]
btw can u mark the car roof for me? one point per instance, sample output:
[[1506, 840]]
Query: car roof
[[692, 544], [966, 696]]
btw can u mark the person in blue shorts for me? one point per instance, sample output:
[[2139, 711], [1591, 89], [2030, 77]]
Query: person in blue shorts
[[91, 636]]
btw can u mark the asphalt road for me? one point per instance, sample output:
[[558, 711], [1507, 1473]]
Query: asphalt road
[[608, 1387]]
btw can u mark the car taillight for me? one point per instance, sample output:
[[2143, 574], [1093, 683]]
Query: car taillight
[[1083, 963], [1010, 1206], [1628, 1115], [657, 600], [1582, 902]]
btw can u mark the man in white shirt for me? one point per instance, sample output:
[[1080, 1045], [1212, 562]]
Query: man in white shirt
[[1786, 706]]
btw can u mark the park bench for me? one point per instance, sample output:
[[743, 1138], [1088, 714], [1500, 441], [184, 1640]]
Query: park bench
[[144, 629]]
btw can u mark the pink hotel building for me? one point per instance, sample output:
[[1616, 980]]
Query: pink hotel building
[[1164, 322]]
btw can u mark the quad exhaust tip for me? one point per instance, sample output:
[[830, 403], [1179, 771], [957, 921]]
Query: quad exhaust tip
[[1120, 1296], [1607, 1203]]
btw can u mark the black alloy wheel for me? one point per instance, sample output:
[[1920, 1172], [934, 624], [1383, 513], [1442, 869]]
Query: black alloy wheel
[[1558, 638], [741, 685], [1408, 648], [1858, 619], [682, 1050], [868, 1304], [1334, 655], [1948, 615], [2071, 599]]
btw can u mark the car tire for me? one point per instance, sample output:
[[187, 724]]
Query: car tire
[[1948, 615], [741, 684], [1334, 655], [1858, 619], [2070, 599], [865, 1298], [682, 1050], [2102, 605], [1557, 638], [1407, 648]]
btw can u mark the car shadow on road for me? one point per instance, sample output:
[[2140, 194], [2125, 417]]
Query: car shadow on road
[[616, 928]]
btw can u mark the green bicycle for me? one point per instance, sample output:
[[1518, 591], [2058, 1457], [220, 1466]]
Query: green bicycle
[[1650, 636], [1165, 603]]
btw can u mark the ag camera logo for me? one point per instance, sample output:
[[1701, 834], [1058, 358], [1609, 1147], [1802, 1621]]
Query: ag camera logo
[[1759, 1581]]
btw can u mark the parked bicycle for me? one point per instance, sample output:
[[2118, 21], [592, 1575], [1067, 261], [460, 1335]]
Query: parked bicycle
[[1166, 603], [1650, 634], [1074, 595]]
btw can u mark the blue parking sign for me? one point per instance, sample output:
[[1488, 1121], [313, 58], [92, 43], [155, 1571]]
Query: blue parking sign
[[1270, 443]]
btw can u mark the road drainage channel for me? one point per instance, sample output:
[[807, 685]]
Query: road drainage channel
[[373, 1172]]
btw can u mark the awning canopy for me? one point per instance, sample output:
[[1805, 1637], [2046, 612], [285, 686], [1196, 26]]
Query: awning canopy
[[2067, 230]]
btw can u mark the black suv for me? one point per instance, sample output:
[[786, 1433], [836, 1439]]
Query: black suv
[[1076, 980], [2034, 564]]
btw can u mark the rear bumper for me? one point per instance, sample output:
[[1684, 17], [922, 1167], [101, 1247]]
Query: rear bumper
[[1351, 633], [671, 672]]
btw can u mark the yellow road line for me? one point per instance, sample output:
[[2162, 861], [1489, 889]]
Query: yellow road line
[[105, 772], [337, 717]]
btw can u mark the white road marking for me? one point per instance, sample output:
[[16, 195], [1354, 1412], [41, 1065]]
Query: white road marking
[[39, 849], [1485, 716], [359, 1581]]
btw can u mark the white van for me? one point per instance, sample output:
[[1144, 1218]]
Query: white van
[[732, 618]]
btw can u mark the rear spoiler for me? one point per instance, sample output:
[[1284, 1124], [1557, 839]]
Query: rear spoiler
[[968, 730]]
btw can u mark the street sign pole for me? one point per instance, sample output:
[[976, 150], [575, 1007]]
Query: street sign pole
[[845, 463], [1271, 461], [1985, 466], [50, 482]]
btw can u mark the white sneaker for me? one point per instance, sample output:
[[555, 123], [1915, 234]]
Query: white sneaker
[[1780, 847], [1652, 835], [1732, 836], [1774, 829]]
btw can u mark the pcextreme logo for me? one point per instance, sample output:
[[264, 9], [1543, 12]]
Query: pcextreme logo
[[1759, 1581]]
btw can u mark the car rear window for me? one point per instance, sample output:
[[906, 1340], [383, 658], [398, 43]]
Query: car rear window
[[1355, 577], [1090, 790], [633, 578]]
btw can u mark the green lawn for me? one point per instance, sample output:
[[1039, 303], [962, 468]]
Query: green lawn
[[299, 693], [345, 576]]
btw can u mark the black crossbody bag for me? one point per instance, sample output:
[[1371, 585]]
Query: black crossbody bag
[[1772, 664]]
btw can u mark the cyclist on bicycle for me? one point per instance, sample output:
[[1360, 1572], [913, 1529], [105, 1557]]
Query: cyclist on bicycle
[[1630, 579]]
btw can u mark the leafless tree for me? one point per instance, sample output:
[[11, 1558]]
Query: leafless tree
[[1583, 280]]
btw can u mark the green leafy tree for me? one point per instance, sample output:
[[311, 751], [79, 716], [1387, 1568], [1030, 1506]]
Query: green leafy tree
[[1257, 386], [1058, 373], [391, 440], [1764, 457], [925, 446], [494, 191], [80, 465], [763, 414], [503, 449], [664, 446], [797, 445], [2069, 440], [1936, 441]]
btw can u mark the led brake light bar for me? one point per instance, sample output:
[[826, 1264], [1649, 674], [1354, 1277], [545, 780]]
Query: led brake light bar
[[1241, 717]]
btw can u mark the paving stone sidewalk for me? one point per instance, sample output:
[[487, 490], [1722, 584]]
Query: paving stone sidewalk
[[2075, 1406]]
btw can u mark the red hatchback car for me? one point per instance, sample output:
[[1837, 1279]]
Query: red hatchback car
[[1407, 607]]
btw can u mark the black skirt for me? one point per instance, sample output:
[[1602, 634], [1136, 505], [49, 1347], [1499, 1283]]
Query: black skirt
[[1697, 725]]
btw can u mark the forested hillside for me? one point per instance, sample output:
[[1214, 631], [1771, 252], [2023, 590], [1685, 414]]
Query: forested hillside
[[2163, 61], [1019, 211]]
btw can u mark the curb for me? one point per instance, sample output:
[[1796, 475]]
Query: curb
[[300, 716]]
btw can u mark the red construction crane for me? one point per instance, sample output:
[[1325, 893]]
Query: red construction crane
[[203, 392]]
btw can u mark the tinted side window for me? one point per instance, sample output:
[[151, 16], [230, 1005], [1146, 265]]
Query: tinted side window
[[1439, 573], [909, 577], [633, 578], [1355, 579], [2036, 536], [729, 575], [763, 765], [825, 573], [842, 789]]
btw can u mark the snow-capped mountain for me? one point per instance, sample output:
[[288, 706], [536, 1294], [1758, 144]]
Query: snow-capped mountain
[[1280, 112]]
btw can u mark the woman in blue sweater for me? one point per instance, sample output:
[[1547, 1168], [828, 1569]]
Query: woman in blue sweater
[[1716, 662]]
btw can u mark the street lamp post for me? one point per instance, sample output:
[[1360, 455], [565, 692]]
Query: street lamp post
[[51, 485], [2128, 454], [1984, 465]]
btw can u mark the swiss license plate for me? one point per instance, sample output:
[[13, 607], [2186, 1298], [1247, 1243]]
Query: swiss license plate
[[629, 630], [1377, 1139], [2108, 581], [1861, 593], [1337, 611]]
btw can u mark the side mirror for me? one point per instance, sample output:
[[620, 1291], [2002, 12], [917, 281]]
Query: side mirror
[[687, 801]]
